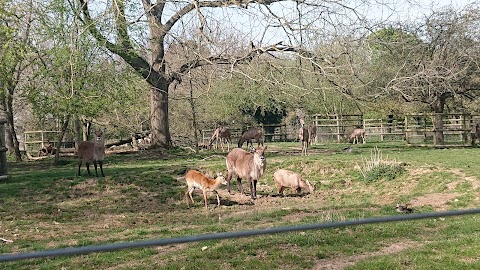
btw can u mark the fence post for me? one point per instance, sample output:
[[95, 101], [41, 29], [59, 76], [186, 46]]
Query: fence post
[[3, 151]]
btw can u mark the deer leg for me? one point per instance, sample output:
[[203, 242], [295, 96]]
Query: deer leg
[[101, 167], [88, 168], [79, 165], [185, 197], [95, 165], [218, 197], [229, 177], [205, 197], [239, 182], [280, 190], [190, 191], [253, 189]]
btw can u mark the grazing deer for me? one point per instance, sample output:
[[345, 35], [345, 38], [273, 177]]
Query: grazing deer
[[92, 152], [357, 133], [246, 165], [196, 179], [249, 135], [288, 179], [222, 134]]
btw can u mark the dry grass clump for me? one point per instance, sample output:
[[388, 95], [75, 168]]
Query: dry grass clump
[[377, 167]]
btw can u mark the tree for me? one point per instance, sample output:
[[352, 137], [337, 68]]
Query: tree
[[444, 65], [121, 32], [14, 34]]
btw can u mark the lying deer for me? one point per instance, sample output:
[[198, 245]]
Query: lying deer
[[288, 179], [249, 135], [92, 152], [357, 133], [246, 165], [196, 179]]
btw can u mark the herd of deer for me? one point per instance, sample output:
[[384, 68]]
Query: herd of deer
[[247, 165]]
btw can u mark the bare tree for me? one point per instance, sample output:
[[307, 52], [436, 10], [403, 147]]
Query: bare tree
[[445, 64], [164, 21]]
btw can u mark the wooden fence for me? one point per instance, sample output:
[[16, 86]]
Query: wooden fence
[[335, 127], [457, 128], [36, 140], [272, 133], [3, 151]]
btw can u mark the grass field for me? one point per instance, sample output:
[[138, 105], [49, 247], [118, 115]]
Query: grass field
[[46, 207]]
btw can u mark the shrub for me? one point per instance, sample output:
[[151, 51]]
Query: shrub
[[377, 168]]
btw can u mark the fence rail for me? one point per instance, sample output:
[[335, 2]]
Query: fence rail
[[226, 235]]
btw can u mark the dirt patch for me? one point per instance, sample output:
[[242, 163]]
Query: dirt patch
[[437, 200], [342, 262]]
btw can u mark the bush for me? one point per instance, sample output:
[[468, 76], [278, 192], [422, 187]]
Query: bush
[[378, 168]]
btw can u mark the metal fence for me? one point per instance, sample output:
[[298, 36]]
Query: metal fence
[[226, 235]]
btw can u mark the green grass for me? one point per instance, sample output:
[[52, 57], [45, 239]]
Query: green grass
[[45, 207]]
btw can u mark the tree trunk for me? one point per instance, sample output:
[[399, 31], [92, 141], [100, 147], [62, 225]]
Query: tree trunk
[[8, 135], [11, 125], [60, 139], [78, 132], [159, 117]]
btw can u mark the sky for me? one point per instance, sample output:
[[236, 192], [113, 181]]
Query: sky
[[253, 25]]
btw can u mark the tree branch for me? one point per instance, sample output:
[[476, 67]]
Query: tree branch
[[129, 55]]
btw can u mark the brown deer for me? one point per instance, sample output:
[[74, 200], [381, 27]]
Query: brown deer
[[476, 134], [304, 137], [356, 134], [249, 135], [222, 134], [312, 133], [246, 165], [288, 179], [92, 152], [196, 179]]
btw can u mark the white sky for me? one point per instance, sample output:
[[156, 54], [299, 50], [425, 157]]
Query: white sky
[[396, 10]]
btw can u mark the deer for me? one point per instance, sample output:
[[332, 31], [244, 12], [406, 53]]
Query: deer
[[249, 135], [312, 133], [92, 152], [476, 134], [304, 137], [358, 132], [196, 179], [247, 165], [288, 179], [222, 134]]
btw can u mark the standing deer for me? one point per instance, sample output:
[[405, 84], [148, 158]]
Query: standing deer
[[249, 135], [288, 179], [475, 134], [304, 137], [222, 134], [246, 165], [312, 132], [196, 179], [357, 133], [92, 152]]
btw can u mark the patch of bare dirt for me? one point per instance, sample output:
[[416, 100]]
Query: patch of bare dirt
[[342, 262], [437, 200]]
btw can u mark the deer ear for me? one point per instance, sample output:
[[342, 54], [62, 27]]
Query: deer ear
[[219, 174]]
